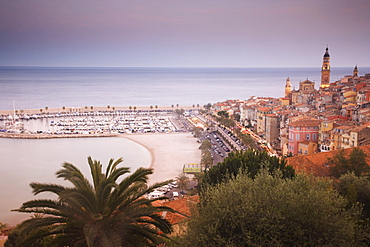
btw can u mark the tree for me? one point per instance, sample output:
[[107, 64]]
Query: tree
[[270, 211], [110, 211], [249, 162], [208, 106], [182, 181], [223, 114], [2, 227], [206, 145], [179, 112], [206, 160], [356, 162], [197, 132], [355, 189]]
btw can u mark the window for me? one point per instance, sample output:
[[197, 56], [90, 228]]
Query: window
[[307, 136], [314, 137], [305, 151], [297, 137]]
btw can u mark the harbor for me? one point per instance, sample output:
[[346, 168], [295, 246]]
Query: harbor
[[98, 123]]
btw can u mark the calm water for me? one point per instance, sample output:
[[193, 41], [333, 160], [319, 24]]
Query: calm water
[[24, 161], [37, 87]]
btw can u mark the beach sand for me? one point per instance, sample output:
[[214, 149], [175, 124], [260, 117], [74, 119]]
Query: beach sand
[[169, 152]]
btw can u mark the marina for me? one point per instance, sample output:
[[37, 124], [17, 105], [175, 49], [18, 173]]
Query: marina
[[94, 123]]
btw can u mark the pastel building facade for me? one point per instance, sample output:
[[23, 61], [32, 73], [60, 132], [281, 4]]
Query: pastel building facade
[[303, 136]]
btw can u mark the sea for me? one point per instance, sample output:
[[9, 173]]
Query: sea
[[23, 161]]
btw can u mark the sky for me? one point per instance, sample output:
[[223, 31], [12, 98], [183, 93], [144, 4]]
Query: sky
[[184, 33]]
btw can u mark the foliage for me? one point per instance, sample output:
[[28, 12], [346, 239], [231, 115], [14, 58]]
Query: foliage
[[197, 132], [356, 162], [110, 211], [270, 211], [355, 189], [3, 226], [208, 106], [227, 122], [179, 112], [206, 144], [223, 114], [250, 162], [206, 160], [246, 139], [182, 181]]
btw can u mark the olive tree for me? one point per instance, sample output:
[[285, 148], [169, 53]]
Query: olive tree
[[271, 211]]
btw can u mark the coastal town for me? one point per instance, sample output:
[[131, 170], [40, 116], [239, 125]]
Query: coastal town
[[308, 120], [305, 121], [305, 127]]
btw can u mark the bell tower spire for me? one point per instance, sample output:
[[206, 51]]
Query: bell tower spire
[[288, 87], [355, 71], [325, 70]]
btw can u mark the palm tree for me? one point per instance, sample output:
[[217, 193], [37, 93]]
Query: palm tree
[[182, 181], [2, 227], [106, 212]]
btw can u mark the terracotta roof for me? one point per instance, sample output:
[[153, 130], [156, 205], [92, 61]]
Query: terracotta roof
[[181, 206], [316, 164], [305, 123]]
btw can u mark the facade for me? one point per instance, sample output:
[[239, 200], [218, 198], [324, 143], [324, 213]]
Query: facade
[[325, 70], [302, 131], [272, 127], [261, 124]]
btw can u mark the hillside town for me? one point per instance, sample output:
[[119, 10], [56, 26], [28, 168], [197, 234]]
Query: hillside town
[[308, 120]]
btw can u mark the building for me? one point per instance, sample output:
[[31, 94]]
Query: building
[[261, 119], [303, 130], [325, 70], [272, 127], [288, 88]]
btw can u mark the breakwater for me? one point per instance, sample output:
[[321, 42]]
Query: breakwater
[[49, 136]]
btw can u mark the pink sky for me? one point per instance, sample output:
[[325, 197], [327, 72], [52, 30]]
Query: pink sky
[[191, 33]]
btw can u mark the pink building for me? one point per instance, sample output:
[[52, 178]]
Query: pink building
[[302, 131]]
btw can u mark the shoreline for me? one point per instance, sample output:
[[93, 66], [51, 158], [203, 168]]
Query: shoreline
[[169, 152], [152, 154]]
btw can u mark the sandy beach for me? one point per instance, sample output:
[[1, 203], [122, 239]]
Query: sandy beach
[[169, 152]]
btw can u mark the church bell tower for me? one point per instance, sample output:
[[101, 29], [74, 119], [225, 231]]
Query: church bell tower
[[288, 88], [355, 71], [325, 70]]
